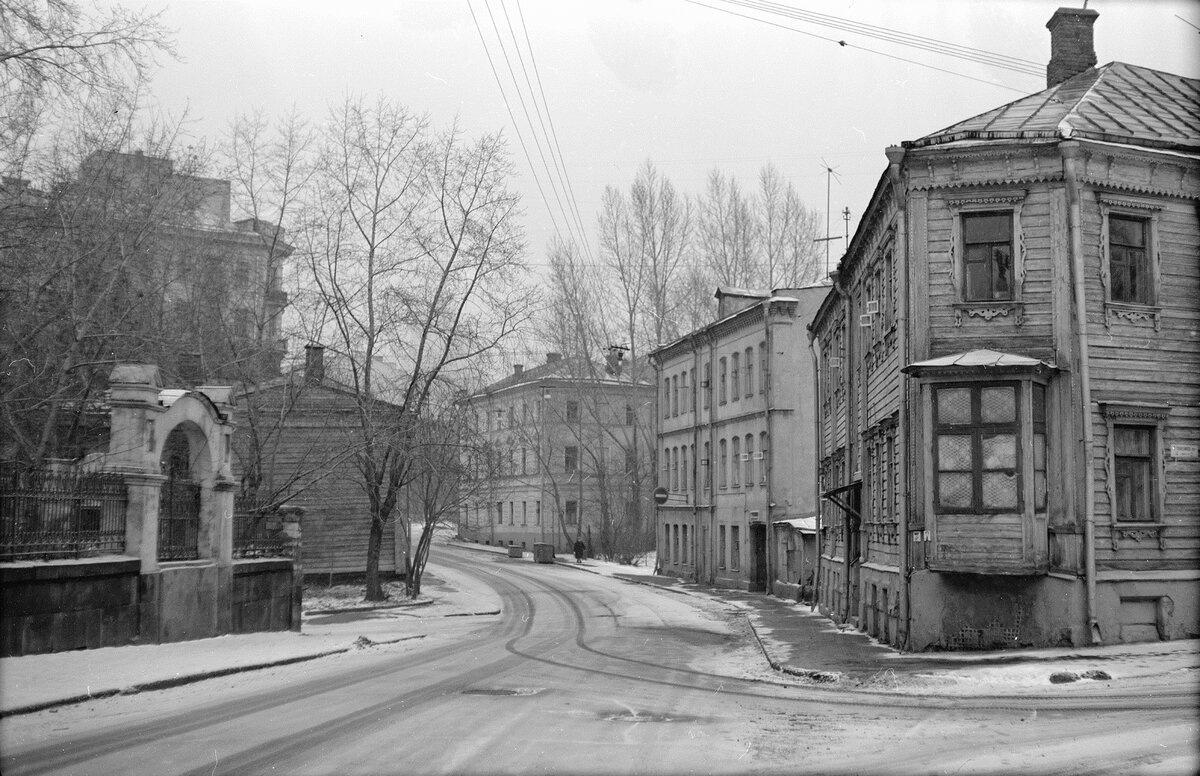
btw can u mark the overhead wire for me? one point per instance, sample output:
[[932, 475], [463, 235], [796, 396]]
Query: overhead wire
[[529, 119], [512, 117], [890, 35], [845, 44], [551, 135]]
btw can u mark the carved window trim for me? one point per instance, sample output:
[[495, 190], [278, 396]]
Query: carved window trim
[[1153, 416], [990, 310], [1131, 313]]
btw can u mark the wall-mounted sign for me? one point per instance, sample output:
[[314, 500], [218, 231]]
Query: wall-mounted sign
[[1185, 452]]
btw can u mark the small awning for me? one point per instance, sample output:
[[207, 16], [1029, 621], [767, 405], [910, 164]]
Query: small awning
[[805, 525], [988, 361]]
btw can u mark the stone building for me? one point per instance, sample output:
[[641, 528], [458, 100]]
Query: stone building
[[1007, 372], [735, 416], [570, 446]]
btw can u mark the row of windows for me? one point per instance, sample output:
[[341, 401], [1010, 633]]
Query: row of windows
[[735, 380], [738, 464], [522, 513], [514, 417], [988, 251], [677, 543]]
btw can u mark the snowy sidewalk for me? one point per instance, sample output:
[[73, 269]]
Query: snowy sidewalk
[[40, 681]]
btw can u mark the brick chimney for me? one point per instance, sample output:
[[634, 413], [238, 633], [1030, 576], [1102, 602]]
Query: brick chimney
[[518, 369], [1072, 50], [553, 358], [314, 363]]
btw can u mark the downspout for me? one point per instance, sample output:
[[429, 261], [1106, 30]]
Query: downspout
[[768, 393], [895, 155], [819, 440], [847, 360], [1070, 152]]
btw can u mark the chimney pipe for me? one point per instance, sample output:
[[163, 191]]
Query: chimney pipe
[[553, 358], [1072, 50], [314, 363], [518, 369]]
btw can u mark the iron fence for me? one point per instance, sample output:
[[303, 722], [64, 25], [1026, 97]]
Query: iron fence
[[49, 513], [258, 530]]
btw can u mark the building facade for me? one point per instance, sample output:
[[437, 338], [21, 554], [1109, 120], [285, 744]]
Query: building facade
[[568, 448], [1007, 372], [735, 421]]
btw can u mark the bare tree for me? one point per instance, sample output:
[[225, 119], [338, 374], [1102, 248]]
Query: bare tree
[[788, 257], [728, 232], [56, 59], [414, 258]]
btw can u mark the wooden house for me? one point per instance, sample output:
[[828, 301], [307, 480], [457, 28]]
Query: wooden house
[[1009, 372], [296, 444]]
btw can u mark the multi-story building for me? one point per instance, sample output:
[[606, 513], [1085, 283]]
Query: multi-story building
[[570, 458], [735, 423], [1008, 372]]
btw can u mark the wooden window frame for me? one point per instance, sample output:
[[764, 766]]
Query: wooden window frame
[[988, 310], [1119, 310], [1019, 428], [1154, 418]]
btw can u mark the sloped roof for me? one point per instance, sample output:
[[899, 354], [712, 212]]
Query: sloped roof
[[1118, 103], [982, 359]]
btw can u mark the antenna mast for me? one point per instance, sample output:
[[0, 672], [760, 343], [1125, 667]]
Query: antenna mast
[[830, 173]]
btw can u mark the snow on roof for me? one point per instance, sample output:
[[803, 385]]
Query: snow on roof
[[979, 359], [802, 524]]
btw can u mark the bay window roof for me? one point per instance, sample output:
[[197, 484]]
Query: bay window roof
[[981, 361]]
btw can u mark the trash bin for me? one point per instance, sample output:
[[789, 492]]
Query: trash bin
[[514, 551], [543, 553]]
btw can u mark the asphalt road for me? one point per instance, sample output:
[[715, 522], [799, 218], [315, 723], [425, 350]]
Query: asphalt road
[[580, 674]]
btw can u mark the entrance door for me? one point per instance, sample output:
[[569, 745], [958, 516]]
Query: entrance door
[[178, 503], [758, 557]]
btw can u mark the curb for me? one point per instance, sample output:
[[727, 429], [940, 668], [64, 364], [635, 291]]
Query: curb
[[177, 681]]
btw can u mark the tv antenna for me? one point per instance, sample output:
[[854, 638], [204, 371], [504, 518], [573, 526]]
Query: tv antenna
[[830, 174]]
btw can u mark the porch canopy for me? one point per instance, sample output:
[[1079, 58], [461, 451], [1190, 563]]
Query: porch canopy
[[976, 361]]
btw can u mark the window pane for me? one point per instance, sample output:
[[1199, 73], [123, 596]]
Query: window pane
[[1001, 271], [954, 489], [953, 405], [978, 282], [999, 490], [1131, 440], [1127, 231], [998, 405], [999, 451], [954, 453], [1039, 452], [1039, 404], [987, 227], [1039, 491]]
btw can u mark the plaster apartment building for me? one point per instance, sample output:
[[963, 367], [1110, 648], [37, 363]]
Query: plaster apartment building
[[735, 431], [571, 446], [1007, 372]]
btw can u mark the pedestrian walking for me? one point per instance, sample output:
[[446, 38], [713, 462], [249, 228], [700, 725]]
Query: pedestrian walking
[[579, 549]]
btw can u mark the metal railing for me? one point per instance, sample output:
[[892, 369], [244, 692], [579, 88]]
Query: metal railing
[[258, 530], [49, 513]]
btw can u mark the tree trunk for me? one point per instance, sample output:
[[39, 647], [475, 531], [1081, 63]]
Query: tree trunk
[[374, 587]]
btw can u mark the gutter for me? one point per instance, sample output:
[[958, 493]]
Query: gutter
[[1070, 152]]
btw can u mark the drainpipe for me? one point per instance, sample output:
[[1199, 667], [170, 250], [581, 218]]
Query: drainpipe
[[820, 446], [895, 156], [768, 394], [1070, 152]]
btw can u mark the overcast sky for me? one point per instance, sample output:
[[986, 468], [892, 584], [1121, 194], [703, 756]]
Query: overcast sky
[[691, 86]]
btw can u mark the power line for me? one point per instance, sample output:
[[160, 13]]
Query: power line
[[529, 120], [844, 44], [553, 134], [896, 36]]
